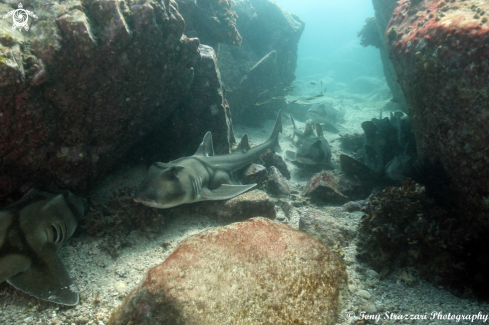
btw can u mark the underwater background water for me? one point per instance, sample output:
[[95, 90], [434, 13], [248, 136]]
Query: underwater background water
[[330, 39]]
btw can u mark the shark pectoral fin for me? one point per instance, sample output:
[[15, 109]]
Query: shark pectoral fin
[[224, 192], [290, 155], [13, 264], [47, 279]]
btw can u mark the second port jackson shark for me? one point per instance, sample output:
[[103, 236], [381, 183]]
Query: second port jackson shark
[[203, 176]]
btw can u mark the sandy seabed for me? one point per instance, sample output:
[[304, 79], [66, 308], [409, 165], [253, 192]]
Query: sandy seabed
[[103, 281]]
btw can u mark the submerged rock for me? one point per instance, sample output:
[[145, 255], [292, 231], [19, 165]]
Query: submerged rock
[[255, 173], [277, 182], [440, 51], [254, 203], [252, 272], [266, 59], [325, 228], [272, 159], [323, 189], [96, 80]]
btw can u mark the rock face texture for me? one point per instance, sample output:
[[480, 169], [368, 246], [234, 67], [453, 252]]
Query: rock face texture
[[324, 188], [253, 203], [374, 34], [256, 44], [88, 81], [440, 50], [266, 59], [253, 272]]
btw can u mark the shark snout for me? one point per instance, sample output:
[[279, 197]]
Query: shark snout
[[148, 202], [141, 197]]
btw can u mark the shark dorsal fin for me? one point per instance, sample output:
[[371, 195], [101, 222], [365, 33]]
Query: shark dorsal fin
[[244, 145], [206, 148], [319, 129], [308, 130]]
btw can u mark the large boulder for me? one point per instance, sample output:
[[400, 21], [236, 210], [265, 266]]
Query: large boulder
[[266, 59], [440, 51], [87, 82], [256, 43], [252, 272]]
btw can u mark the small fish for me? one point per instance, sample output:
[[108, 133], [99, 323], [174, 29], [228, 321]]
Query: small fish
[[264, 92], [280, 83], [278, 97], [313, 83], [321, 83], [289, 88], [263, 102], [319, 95], [325, 89], [293, 101], [310, 98]]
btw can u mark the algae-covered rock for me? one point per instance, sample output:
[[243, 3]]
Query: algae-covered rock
[[252, 272], [91, 79], [440, 50]]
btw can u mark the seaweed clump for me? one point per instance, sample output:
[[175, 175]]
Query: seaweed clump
[[114, 219], [403, 227], [407, 227], [369, 35]]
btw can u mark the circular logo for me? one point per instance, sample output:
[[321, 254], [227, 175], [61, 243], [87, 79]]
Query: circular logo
[[20, 17]]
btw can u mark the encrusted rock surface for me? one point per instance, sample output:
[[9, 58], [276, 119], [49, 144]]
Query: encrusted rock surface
[[255, 173], [212, 21], [325, 228], [277, 182], [323, 189], [254, 203], [89, 80], [440, 50], [272, 159], [252, 272]]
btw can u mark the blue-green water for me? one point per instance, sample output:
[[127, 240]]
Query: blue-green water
[[329, 45]]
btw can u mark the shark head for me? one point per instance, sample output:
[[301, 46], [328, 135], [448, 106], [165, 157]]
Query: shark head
[[163, 187], [311, 153], [31, 232], [315, 149]]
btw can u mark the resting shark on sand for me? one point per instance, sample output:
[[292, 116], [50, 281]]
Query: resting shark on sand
[[31, 231], [313, 150], [203, 176]]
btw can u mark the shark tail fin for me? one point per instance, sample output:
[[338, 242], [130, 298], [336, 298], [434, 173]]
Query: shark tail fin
[[276, 130]]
